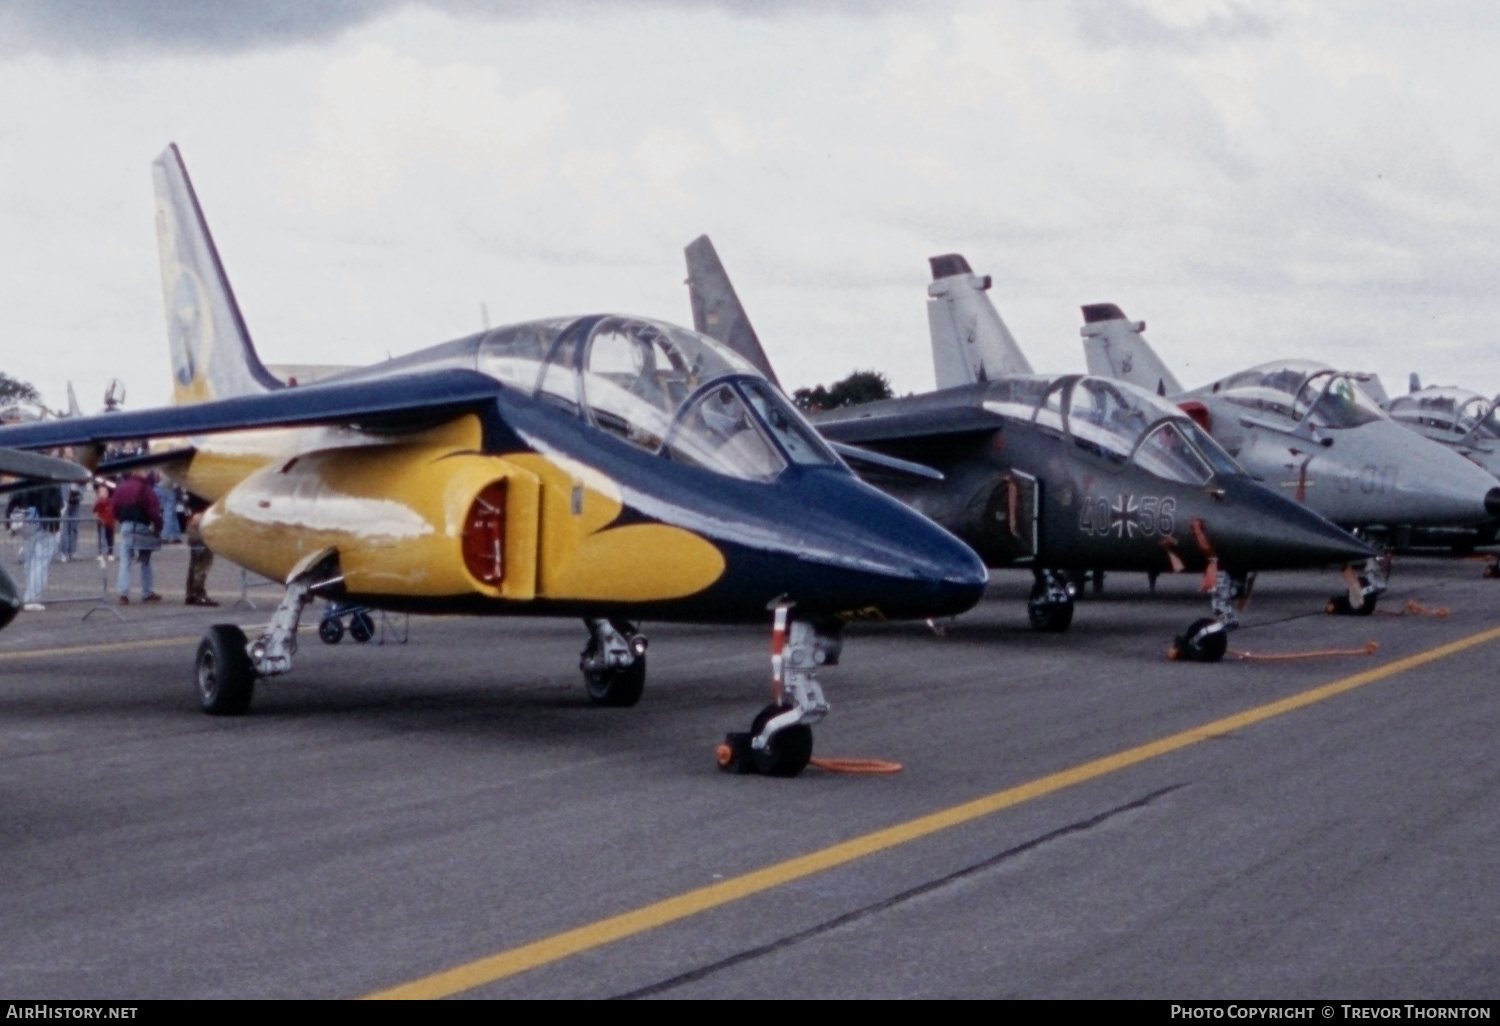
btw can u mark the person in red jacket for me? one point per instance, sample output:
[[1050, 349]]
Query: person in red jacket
[[138, 513]]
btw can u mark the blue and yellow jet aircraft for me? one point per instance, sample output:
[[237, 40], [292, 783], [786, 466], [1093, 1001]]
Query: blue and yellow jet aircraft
[[607, 467]]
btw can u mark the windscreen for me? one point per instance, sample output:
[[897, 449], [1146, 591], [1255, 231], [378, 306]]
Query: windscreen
[[1333, 400], [636, 374], [1479, 411], [719, 433]]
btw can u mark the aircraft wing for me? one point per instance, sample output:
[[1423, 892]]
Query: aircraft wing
[[33, 467], [393, 403], [894, 422]]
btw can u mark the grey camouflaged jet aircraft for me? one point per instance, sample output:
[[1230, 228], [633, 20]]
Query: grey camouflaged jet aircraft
[[1314, 433], [1055, 474]]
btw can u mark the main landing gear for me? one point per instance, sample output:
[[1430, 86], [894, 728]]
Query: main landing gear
[[1206, 640], [1364, 587], [1051, 603], [779, 742], [613, 663], [228, 665]]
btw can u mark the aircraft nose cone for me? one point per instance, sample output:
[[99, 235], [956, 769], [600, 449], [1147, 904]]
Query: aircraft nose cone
[[881, 558], [1492, 502], [1418, 481], [1278, 533]]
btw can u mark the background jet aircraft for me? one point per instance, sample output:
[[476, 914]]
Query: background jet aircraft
[[605, 467], [1316, 434], [1462, 420], [1066, 473]]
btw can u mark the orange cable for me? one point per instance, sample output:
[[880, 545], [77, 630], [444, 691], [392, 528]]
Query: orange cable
[[855, 765], [1370, 648]]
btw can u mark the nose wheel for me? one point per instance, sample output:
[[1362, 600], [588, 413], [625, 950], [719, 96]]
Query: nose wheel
[[1363, 588], [779, 742], [785, 755]]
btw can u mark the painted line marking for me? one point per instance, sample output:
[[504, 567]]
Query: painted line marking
[[112, 646], [562, 945], [126, 646]]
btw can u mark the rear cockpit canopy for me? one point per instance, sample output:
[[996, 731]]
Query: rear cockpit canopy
[[1451, 411], [1302, 390], [1115, 421], [660, 388]]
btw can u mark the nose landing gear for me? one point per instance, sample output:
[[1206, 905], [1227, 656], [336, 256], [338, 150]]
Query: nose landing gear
[[779, 742], [1365, 586], [1206, 640]]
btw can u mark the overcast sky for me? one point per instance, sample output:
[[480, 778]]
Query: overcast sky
[[1253, 180]]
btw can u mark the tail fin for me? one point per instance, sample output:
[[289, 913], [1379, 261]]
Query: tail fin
[[717, 312], [969, 340], [73, 410], [1115, 348], [212, 356]]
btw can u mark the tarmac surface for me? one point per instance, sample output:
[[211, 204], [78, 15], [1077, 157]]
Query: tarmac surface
[[421, 815]]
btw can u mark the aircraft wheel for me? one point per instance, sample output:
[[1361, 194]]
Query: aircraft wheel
[[1340, 605], [618, 687], [789, 751], [330, 631], [1199, 645], [361, 627], [225, 676], [1048, 617]]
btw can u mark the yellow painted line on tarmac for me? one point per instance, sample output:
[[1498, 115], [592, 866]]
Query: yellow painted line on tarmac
[[112, 646], [605, 931]]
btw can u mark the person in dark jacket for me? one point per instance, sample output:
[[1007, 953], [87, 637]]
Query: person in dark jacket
[[139, 516]]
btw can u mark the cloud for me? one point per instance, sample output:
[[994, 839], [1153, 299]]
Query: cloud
[[110, 27], [1167, 24]]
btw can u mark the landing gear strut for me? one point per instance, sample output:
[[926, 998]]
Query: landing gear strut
[[1051, 603], [779, 742], [613, 663]]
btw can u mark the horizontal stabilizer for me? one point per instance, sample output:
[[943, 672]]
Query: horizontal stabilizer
[[717, 312], [146, 459], [384, 403], [1114, 347], [970, 342], [890, 464]]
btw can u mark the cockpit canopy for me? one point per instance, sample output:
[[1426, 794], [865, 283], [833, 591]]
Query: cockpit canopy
[[1455, 411], [660, 388], [1302, 389], [1117, 422]]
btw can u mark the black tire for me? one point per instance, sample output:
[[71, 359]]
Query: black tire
[[224, 675], [1340, 605], [330, 631], [1199, 645], [1048, 617], [361, 627], [617, 688], [790, 750]]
